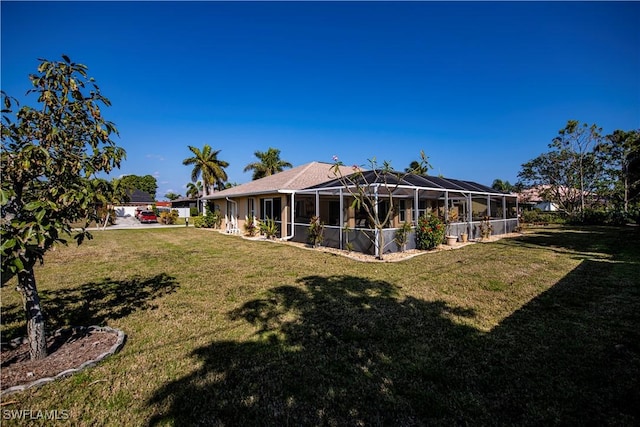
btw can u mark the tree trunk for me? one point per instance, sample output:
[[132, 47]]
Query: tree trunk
[[34, 316], [380, 243], [626, 194]]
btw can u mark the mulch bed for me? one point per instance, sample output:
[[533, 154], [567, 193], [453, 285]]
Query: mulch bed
[[67, 349]]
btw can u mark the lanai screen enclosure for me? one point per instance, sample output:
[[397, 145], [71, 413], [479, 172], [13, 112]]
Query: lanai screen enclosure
[[462, 204]]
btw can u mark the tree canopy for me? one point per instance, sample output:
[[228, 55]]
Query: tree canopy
[[620, 152], [50, 157], [269, 163], [570, 172], [500, 185], [146, 183], [194, 189], [585, 169]]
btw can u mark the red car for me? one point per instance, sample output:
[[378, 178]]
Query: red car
[[147, 216]]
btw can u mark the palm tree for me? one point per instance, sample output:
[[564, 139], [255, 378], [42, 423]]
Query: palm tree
[[414, 167], [193, 190], [419, 167], [269, 164], [207, 164]]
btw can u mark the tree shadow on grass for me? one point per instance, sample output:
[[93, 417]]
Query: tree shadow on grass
[[585, 242], [340, 351], [95, 303], [344, 350], [570, 356]]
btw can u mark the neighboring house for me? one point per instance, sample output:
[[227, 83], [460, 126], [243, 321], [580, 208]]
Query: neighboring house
[[533, 198], [292, 197], [540, 197], [137, 198], [184, 202]]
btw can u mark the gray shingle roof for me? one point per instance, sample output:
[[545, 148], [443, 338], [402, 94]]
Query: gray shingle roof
[[297, 178], [139, 196]]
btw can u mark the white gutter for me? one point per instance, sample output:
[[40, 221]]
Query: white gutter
[[235, 203], [293, 214]]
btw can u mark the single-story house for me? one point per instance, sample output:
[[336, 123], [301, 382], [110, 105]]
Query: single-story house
[[184, 202], [137, 199], [292, 197], [537, 198]]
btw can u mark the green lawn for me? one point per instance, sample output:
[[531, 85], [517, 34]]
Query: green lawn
[[538, 330]]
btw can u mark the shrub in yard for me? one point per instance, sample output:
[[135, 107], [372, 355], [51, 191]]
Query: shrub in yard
[[536, 216], [193, 211], [603, 217], [200, 222], [402, 235], [207, 221], [169, 218], [269, 228], [250, 227], [430, 232], [316, 231], [102, 213]]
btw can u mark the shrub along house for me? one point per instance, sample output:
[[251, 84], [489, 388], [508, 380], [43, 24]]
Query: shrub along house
[[293, 197]]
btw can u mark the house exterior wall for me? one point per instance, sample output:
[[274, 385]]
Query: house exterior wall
[[242, 213], [359, 236]]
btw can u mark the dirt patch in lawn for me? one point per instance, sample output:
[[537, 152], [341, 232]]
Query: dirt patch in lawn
[[68, 349]]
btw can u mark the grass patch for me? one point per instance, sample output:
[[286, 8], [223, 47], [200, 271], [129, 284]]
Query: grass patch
[[543, 329]]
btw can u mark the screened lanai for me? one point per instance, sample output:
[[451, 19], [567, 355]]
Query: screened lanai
[[462, 204]]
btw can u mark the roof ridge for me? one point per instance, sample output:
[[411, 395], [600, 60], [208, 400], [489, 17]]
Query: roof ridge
[[297, 175]]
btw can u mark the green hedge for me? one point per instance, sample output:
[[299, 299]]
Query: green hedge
[[537, 216]]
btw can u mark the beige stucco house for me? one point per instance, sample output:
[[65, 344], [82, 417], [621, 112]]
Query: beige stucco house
[[271, 196], [292, 197]]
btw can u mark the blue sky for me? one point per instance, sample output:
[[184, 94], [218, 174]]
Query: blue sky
[[480, 87]]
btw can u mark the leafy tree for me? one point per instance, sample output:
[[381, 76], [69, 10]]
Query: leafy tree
[[269, 163], [206, 164], [500, 185], [370, 189], [172, 196], [146, 183], [194, 189], [618, 151], [571, 170], [50, 155]]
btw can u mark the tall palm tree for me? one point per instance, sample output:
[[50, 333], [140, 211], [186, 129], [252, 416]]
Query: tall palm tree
[[419, 167], [414, 167], [269, 163], [193, 190], [207, 164]]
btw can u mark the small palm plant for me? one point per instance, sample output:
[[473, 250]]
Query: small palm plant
[[250, 227], [402, 235], [485, 228], [269, 228], [316, 231]]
